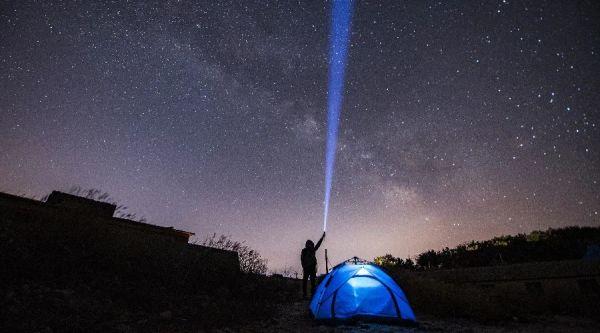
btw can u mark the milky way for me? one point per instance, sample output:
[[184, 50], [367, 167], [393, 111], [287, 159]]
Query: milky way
[[460, 121]]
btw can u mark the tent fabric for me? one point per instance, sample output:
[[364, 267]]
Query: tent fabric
[[360, 291]]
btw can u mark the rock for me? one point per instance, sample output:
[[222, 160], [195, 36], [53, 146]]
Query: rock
[[123, 328], [63, 293], [223, 292], [46, 330], [166, 315]]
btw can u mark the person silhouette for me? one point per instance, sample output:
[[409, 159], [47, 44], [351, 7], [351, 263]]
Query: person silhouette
[[309, 264]]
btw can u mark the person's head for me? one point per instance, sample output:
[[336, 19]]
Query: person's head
[[309, 244]]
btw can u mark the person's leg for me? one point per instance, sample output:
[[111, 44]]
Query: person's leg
[[304, 278], [313, 278]]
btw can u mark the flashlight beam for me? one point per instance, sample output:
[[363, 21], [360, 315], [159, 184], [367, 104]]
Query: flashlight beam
[[338, 55]]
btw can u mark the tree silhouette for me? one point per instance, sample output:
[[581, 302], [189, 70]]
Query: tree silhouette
[[250, 260], [552, 244]]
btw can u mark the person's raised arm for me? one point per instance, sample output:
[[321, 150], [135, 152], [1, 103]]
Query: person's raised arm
[[320, 241]]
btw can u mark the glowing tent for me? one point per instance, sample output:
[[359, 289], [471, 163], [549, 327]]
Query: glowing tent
[[360, 290]]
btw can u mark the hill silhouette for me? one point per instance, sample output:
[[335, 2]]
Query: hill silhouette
[[550, 245]]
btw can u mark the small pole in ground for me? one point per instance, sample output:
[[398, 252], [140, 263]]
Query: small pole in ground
[[326, 263]]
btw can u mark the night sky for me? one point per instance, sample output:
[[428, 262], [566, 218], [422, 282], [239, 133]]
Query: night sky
[[460, 120]]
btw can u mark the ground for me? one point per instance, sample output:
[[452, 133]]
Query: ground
[[293, 317]]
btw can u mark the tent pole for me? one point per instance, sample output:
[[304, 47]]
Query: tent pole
[[326, 263]]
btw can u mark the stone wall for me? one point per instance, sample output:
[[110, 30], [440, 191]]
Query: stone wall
[[577, 277], [119, 243]]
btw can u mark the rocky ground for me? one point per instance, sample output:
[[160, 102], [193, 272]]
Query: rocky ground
[[293, 317], [289, 316]]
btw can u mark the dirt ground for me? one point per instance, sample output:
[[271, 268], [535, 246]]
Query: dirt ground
[[294, 317]]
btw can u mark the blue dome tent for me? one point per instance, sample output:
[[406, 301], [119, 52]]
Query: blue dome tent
[[359, 290]]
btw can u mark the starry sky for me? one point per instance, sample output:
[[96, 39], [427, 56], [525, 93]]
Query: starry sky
[[461, 120]]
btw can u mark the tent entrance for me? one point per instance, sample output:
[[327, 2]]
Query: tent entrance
[[364, 295]]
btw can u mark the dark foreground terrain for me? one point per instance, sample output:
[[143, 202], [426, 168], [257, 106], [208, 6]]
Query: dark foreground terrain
[[292, 317], [35, 308], [73, 270], [62, 273]]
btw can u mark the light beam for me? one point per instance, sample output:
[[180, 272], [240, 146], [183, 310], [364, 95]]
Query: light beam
[[338, 55]]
